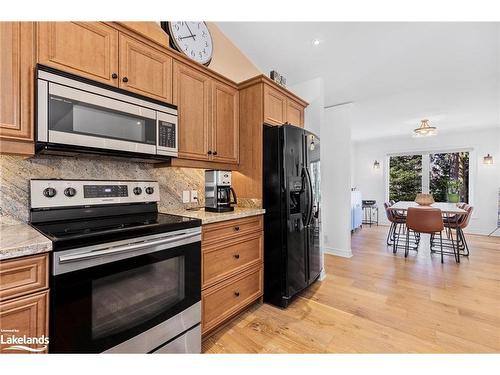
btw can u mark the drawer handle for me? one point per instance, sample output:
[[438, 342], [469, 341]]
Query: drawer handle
[[237, 256], [237, 294], [236, 228]]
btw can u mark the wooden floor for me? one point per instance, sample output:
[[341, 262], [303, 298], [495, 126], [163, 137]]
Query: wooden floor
[[376, 302]]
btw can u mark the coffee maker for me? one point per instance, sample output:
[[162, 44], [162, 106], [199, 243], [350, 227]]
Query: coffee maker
[[219, 195]]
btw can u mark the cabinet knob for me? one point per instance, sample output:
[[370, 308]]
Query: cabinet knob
[[237, 294], [125, 79], [215, 152], [114, 76], [236, 228], [237, 256], [209, 152]]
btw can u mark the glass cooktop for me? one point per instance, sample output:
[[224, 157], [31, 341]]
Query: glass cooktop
[[78, 233]]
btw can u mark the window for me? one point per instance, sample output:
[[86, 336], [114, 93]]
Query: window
[[445, 175], [449, 176], [405, 177]]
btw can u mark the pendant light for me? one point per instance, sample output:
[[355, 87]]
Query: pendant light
[[424, 130]]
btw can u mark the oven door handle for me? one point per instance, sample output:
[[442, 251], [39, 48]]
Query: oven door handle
[[123, 249]]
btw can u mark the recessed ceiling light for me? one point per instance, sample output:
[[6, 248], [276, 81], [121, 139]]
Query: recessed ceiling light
[[316, 42]]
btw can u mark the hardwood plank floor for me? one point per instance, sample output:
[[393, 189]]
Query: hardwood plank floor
[[377, 302]]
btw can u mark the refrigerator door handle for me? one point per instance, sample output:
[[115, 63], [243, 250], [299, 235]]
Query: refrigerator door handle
[[310, 197]]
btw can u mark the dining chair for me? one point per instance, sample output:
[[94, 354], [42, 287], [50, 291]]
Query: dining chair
[[424, 220], [459, 222], [397, 221]]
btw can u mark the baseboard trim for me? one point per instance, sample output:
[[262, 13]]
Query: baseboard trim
[[347, 253]]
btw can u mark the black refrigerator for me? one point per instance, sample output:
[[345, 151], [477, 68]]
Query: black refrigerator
[[292, 222]]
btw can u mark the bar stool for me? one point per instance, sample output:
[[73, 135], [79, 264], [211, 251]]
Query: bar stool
[[424, 220]]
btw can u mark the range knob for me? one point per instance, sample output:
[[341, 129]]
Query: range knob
[[69, 192], [137, 190], [49, 192], [150, 190]]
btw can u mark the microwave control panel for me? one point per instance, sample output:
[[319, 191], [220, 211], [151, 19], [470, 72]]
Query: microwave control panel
[[166, 134]]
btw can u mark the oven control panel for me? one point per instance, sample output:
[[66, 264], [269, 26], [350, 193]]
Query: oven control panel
[[65, 193], [105, 191]]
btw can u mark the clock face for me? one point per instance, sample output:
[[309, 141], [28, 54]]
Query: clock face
[[193, 39]]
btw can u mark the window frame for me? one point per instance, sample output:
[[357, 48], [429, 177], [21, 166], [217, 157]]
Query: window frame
[[426, 167]]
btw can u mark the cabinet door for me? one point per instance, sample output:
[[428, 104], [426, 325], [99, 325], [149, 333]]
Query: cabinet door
[[225, 123], [145, 70], [17, 60], [88, 49], [294, 113], [274, 106], [24, 316], [191, 93]]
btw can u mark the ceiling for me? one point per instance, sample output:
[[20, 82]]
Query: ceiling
[[395, 73]]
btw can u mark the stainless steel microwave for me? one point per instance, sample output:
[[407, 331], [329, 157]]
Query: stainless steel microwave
[[79, 116]]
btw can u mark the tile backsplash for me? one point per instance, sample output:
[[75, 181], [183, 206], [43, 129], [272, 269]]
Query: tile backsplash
[[15, 173]]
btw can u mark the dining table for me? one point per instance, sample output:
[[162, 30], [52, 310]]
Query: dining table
[[448, 210]]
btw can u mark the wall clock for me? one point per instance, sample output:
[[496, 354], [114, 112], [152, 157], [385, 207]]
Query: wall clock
[[191, 38]]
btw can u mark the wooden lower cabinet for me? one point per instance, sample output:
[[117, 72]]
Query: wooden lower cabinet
[[24, 302], [27, 316], [225, 300], [232, 269]]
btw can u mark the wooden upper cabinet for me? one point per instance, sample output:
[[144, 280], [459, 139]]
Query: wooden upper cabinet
[[17, 60], [294, 113], [274, 106], [225, 120], [191, 93], [88, 49], [144, 69]]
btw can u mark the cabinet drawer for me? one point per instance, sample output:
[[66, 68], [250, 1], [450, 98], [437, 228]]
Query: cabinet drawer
[[25, 316], [23, 276], [224, 300], [229, 229], [230, 258]]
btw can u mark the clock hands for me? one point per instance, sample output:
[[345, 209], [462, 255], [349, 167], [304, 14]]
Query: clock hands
[[189, 36], [192, 35]]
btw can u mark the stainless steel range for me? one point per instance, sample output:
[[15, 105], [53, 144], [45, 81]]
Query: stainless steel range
[[124, 278]]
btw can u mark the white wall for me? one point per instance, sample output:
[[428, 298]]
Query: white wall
[[336, 180], [313, 92], [484, 179]]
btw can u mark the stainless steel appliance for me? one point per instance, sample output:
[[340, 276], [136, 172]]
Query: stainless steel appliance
[[75, 115], [124, 278], [292, 222], [219, 195]]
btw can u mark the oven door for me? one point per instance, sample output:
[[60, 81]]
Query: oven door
[[130, 296], [79, 118]]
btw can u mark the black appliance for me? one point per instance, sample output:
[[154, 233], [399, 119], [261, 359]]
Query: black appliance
[[292, 222], [124, 278], [219, 195], [75, 115]]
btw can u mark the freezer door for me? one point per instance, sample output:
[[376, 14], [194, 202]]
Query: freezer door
[[295, 179], [313, 226]]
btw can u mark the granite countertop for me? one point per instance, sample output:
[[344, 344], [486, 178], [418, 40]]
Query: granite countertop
[[214, 217], [18, 240]]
